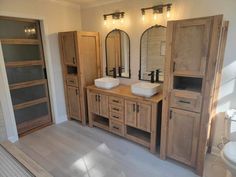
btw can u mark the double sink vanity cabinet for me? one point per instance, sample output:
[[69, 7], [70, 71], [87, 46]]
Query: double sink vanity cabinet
[[120, 112]]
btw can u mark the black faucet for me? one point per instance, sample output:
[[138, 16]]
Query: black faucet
[[152, 76], [114, 72], [157, 75], [120, 71]]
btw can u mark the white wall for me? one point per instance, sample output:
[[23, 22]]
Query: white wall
[[3, 133], [56, 17], [181, 9]]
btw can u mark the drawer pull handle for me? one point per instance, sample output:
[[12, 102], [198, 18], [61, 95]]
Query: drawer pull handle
[[115, 117], [186, 102], [115, 101], [133, 107], [115, 109], [137, 108], [117, 128], [170, 114]]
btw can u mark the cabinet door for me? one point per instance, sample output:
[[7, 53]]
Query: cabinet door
[[69, 48], [144, 114], [183, 136], [103, 104], [73, 102], [190, 42], [130, 113], [95, 103]]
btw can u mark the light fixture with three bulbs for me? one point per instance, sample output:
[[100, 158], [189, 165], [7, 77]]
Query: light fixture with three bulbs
[[116, 16]]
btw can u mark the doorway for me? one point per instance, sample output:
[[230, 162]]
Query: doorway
[[26, 72]]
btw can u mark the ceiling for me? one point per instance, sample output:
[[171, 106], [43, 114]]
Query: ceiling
[[89, 3]]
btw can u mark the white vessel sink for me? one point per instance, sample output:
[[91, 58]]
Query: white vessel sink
[[145, 89], [106, 82]]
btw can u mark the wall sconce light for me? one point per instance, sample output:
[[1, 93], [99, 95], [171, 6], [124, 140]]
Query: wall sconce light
[[115, 17], [157, 10]]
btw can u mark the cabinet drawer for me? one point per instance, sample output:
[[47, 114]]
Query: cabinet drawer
[[117, 117], [190, 101], [116, 109], [116, 101], [117, 128], [72, 81]]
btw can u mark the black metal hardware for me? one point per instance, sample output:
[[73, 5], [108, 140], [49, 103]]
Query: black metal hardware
[[186, 102], [120, 71], [157, 75], [45, 73], [137, 108], [133, 107], [174, 66], [115, 117], [96, 97], [152, 76], [170, 114], [117, 128], [116, 109], [115, 101], [99, 98], [114, 72], [74, 60]]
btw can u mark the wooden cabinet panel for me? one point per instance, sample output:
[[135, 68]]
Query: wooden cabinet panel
[[190, 46], [144, 114], [94, 107], [130, 113], [183, 136], [103, 104], [73, 101], [117, 128], [68, 47]]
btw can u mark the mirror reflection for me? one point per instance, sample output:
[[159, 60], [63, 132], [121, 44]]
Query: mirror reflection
[[152, 54], [117, 54]]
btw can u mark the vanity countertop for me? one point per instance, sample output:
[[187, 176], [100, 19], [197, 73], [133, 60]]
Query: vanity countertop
[[125, 90]]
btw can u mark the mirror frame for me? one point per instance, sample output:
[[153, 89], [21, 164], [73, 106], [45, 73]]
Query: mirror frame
[[139, 73], [119, 30]]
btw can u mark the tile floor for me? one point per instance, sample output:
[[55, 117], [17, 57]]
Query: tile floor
[[70, 150]]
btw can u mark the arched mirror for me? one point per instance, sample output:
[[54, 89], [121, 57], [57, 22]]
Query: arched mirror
[[117, 54], [152, 54]]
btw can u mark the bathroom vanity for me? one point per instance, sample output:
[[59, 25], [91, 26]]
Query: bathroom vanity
[[120, 112]]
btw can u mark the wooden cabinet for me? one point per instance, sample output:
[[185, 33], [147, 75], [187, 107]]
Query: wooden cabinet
[[190, 46], [144, 114], [183, 136], [129, 116], [130, 113], [191, 64], [138, 115], [73, 102], [80, 58], [68, 48], [100, 104]]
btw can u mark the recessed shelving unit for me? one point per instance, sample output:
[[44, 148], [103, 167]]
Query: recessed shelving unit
[[187, 83]]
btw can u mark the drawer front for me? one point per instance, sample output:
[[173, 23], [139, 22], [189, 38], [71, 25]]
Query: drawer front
[[72, 81], [187, 101], [117, 117], [117, 128], [116, 109], [116, 101]]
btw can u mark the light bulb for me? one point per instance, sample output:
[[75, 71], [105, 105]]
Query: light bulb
[[155, 16], [113, 22], [122, 20], [168, 14], [105, 22], [143, 17]]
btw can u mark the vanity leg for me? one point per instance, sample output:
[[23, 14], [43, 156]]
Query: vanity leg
[[153, 142]]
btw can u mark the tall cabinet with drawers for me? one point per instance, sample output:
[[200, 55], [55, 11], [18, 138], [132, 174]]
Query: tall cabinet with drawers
[[192, 67], [80, 60]]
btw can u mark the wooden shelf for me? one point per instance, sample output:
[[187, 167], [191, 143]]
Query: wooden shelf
[[138, 136], [24, 63], [188, 75], [101, 122], [21, 41]]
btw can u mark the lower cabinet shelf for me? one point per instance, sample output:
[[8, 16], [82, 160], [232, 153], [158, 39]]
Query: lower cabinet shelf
[[138, 136], [101, 122]]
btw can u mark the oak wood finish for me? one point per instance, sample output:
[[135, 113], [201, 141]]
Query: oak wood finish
[[131, 116], [80, 50], [192, 51], [25, 160], [73, 102]]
